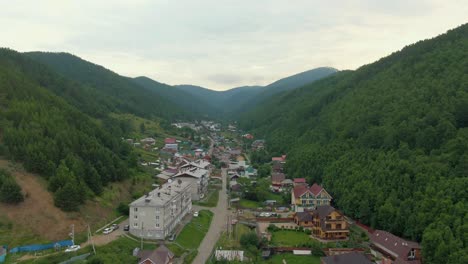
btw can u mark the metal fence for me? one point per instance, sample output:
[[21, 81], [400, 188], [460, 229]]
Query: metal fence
[[58, 244]]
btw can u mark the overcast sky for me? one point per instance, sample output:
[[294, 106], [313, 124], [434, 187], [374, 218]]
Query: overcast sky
[[220, 44]]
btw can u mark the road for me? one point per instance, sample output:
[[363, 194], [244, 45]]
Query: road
[[218, 224]]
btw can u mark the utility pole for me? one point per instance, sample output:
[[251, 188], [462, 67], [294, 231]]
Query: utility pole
[[90, 238], [72, 234]]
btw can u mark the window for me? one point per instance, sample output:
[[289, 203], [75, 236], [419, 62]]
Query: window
[[157, 217], [135, 224], [136, 216], [157, 225], [135, 209]]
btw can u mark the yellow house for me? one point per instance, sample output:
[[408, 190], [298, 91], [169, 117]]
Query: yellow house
[[329, 223], [308, 198]]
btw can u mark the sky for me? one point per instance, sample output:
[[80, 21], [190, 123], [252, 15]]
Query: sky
[[221, 44]]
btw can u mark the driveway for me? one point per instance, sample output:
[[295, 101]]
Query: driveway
[[218, 224], [102, 239]]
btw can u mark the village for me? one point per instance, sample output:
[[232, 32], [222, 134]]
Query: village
[[256, 212]]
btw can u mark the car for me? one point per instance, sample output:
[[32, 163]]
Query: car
[[107, 230], [126, 228], [115, 226], [195, 214], [172, 237], [73, 248]]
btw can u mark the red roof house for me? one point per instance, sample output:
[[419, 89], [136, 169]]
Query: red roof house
[[170, 141], [395, 248]]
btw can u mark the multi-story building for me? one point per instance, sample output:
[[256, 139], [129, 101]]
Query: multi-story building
[[197, 178], [156, 214], [308, 198], [325, 222]]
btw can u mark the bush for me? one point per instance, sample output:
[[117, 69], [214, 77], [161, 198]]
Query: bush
[[308, 232], [249, 239], [272, 228], [123, 209]]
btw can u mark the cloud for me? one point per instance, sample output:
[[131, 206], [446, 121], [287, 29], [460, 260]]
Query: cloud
[[219, 44]]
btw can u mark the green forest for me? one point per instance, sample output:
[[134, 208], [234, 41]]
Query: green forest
[[389, 141], [53, 138]]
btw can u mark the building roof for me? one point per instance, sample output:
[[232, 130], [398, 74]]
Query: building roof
[[161, 195], [348, 258], [278, 177], [161, 255], [170, 141], [304, 216], [316, 189], [193, 172], [287, 181], [395, 246], [299, 180]]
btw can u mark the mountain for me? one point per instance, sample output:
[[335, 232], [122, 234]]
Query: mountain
[[389, 141], [240, 99], [117, 93], [187, 101], [51, 136]]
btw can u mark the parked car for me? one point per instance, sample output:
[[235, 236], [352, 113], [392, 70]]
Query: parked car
[[115, 226], [107, 230], [73, 248], [172, 237], [126, 228], [195, 214]]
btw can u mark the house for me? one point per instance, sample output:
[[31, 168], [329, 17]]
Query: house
[[394, 249], [229, 255], [148, 141], [161, 255], [258, 144], [303, 219], [277, 181], [277, 167], [174, 146], [281, 159], [329, 223], [198, 179], [307, 198], [348, 258], [170, 141], [248, 136], [156, 214], [300, 182]]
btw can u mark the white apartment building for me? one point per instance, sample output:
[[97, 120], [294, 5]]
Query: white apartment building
[[195, 176], [156, 214]]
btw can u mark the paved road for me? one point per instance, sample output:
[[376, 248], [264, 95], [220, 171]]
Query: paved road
[[218, 224]]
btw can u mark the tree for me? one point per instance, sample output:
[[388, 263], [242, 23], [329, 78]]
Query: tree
[[10, 192], [249, 239]]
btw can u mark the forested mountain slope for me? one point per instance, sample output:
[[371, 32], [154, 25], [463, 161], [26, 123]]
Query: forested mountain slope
[[186, 101], [54, 138], [119, 93], [389, 141]]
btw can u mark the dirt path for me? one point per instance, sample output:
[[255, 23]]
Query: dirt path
[[37, 213], [218, 224]]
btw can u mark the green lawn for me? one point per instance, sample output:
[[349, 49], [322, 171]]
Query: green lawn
[[194, 232], [292, 259], [289, 238], [248, 204], [211, 199]]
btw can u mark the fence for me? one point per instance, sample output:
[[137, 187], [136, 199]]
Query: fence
[[63, 243], [3, 253]]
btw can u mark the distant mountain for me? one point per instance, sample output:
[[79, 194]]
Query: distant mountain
[[240, 99], [389, 141], [190, 102], [98, 84]]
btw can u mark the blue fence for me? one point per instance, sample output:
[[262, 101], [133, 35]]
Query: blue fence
[[63, 243], [3, 252]]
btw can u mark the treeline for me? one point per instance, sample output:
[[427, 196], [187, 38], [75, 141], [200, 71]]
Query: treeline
[[10, 191], [389, 141], [50, 137]]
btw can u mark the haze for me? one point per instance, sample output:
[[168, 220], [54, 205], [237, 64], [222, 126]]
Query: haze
[[224, 44]]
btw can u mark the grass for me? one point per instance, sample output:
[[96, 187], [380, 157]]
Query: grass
[[292, 259], [211, 200], [248, 204], [188, 259], [233, 242], [289, 238], [194, 232]]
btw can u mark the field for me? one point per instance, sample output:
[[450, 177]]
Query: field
[[249, 204], [194, 232], [289, 238]]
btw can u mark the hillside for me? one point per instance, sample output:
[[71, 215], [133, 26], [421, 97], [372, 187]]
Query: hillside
[[75, 153], [186, 101], [389, 141], [234, 101], [116, 93]]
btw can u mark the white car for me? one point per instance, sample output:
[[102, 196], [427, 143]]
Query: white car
[[195, 214], [73, 248], [108, 230]]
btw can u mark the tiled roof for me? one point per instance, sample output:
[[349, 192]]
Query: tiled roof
[[161, 255], [299, 180], [278, 177], [348, 258], [304, 216], [393, 245], [316, 189]]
